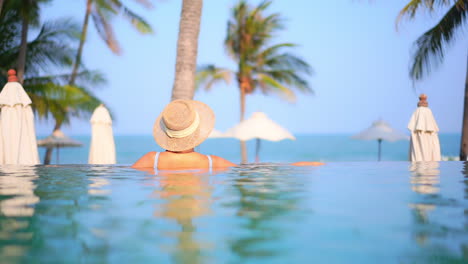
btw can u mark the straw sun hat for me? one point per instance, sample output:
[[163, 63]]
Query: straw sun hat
[[183, 124]]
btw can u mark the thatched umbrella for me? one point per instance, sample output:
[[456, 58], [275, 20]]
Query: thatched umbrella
[[381, 130], [58, 140]]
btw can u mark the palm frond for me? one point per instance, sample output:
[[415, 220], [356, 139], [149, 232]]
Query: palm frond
[[430, 47], [273, 85], [84, 78], [261, 64], [10, 28], [145, 3], [414, 6], [287, 61], [209, 75], [105, 30], [51, 47], [105, 10], [137, 21], [60, 101], [48, 50]]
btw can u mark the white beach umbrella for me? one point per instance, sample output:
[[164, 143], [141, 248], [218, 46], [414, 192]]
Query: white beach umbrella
[[381, 130], [424, 144], [259, 126], [58, 140], [216, 134], [18, 131], [102, 149]]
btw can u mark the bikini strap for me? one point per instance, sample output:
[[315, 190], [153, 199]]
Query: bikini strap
[[155, 166], [210, 163]]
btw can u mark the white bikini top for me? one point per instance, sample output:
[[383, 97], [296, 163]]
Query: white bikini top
[[156, 158]]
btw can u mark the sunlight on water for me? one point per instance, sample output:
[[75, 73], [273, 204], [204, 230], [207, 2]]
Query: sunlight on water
[[259, 213]]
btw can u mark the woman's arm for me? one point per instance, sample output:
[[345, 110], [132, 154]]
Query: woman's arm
[[219, 162], [307, 163]]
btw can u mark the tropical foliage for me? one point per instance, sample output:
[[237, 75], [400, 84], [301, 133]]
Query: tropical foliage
[[48, 51], [430, 48], [102, 12], [261, 64]]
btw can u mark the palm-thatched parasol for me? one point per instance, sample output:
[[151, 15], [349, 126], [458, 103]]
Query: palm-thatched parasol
[[58, 140]]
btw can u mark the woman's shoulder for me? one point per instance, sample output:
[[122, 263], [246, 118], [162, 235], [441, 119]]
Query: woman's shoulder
[[145, 161]]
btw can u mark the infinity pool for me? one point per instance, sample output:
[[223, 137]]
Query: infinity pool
[[389, 212]]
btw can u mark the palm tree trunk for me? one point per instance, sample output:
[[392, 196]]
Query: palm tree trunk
[[243, 145], [187, 46], [23, 48], [48, 153], [76, 65], [1, 5], [84, 32], [464, 138]]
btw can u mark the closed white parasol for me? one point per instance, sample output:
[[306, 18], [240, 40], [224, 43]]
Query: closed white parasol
[[424, 144], [102, 149], [17, 125]]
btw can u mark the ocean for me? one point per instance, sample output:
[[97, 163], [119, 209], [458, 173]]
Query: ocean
[[307, 147]]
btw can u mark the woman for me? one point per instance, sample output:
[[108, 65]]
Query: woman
[[183, 125]]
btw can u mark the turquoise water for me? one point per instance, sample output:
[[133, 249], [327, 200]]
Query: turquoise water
[[343, 212], [306, 147]]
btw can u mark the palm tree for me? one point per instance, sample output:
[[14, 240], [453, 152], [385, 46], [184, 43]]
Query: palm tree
[[102, 11], [261, 65], [29, 12], [187, 47], [50, 95], [430, 48], [1, 6]]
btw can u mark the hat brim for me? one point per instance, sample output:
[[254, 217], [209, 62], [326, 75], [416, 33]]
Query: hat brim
[[207, 121]]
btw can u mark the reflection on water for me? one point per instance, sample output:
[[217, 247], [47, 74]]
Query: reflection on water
[[257, 213], [442, 241], [40, 207], [17, 201], [425, 177], [98, 182], [425, 181], [264, 197], [17, 186], [186, 196]]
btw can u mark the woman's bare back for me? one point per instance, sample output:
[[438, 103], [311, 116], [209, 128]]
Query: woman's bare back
[[181, 161]]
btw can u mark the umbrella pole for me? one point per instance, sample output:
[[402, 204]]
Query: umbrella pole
[[58, 155], [257, 150], [380, 146]]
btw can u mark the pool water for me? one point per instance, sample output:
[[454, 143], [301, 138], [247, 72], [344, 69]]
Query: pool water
[[363, 212]]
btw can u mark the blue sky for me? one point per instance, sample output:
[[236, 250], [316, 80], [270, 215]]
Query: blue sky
[[360, 64]]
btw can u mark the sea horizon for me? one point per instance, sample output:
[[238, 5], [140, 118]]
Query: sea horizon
[[306, 147]]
